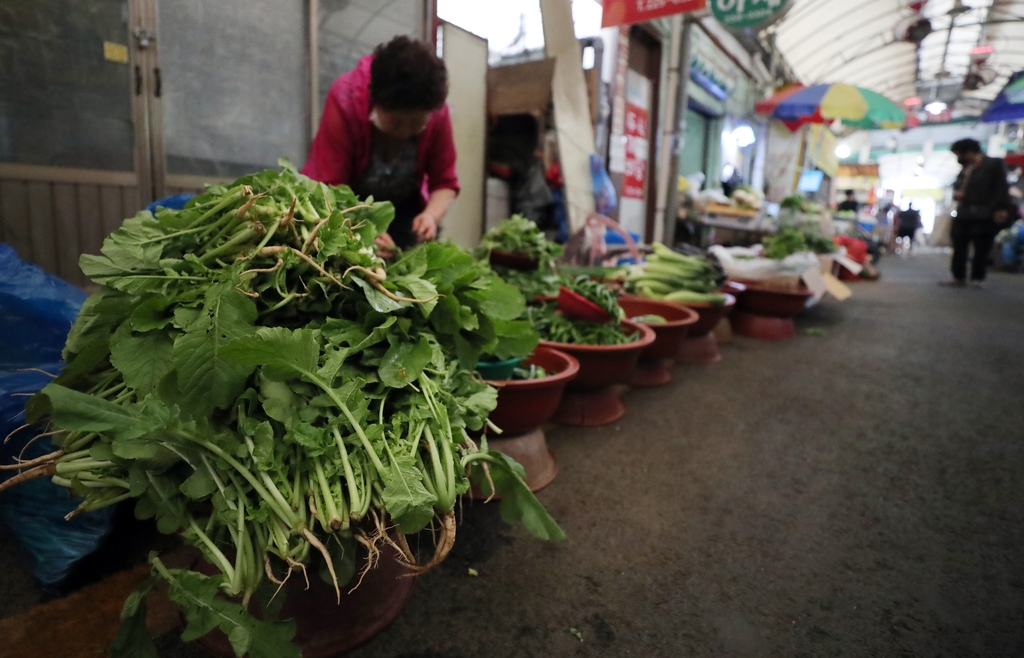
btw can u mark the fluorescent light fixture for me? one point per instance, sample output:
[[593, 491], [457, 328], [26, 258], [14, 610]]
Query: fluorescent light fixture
[[842, 151], [744, 135], [938, 107]]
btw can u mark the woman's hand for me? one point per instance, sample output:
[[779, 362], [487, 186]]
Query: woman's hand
[[425, 227], [385, 246]]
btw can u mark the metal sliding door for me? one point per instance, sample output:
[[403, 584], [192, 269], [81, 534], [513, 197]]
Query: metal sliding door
[[73, 150], [234, 80]]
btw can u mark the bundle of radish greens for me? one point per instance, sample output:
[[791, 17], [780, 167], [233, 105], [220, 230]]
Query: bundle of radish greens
[[261, 382]]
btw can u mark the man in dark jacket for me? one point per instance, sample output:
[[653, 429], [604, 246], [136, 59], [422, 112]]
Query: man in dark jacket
[[906, 229], [983, 200], [850, 203]]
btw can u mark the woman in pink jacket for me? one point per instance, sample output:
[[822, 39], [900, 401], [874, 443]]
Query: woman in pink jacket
[[386, 132]]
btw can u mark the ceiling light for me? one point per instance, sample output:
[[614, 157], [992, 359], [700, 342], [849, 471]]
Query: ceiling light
[[938, 107], [842, 151]]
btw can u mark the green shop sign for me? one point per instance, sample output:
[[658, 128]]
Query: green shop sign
[[742, 14]]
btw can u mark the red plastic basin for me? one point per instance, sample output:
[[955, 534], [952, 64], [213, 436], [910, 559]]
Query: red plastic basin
[[709, 315], [604, 365], [514, 261], [576, 306], [668, 335], [774, 302], [524, 405]]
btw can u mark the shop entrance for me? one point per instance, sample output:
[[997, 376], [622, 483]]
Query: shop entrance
[[694, 158]]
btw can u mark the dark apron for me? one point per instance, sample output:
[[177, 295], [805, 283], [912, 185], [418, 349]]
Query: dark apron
[[394, 181]]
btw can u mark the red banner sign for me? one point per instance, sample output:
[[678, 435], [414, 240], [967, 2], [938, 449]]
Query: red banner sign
[[624, 12], [634, 177]]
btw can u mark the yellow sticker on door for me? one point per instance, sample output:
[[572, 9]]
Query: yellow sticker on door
[[115, 52]]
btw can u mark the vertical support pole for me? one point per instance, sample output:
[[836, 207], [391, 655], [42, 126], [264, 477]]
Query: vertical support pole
[[314, 68], [139, 65], [154, 104], [666, 143], [677, 141]]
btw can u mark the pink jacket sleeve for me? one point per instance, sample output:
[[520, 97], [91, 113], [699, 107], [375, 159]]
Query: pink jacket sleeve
[[440, 165], [330, 156]]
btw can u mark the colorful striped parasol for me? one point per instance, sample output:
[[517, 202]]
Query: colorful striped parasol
[[854, 106], [1009, 104]]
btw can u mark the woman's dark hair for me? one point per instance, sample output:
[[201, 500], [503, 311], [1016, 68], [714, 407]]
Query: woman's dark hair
[[965, 146], [407, 75]]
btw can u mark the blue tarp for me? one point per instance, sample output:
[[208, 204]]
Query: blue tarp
[[36, 312]]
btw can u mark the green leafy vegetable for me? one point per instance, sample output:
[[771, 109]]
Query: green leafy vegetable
[[518, 235], [598, 293], [785, 243], [257, 379], [522, 237], [557, 328], [665, 274]]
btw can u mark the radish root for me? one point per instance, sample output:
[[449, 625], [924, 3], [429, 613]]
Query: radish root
[[376, 276], [311, 538], [444, 546], [248, 204], [15, 431], [33, 462], [277, 251], [31, 474], [372, 557]]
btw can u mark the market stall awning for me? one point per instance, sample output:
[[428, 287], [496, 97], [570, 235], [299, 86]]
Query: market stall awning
[[854, 106], [1009, 104]]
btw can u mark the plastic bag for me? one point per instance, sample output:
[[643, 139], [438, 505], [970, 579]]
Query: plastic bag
[[34, 511], [940, 231], [747, 264], [36, 312], [173, 202], [605, 201]]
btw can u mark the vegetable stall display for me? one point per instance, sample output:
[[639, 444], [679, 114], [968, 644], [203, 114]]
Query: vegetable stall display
[[673, 277], [670, 323], [692, 281], [607, 351], [522, 256], [527, 400], [258, 380]]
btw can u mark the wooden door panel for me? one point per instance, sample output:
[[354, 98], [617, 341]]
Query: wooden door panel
[[89, 219], [14, 200], [65, 212], [41, 229], [110, 208]]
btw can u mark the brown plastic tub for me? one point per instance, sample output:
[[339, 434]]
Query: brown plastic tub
[[591, 398], [524, 405], [325, 627], [700, 345], [653, 369]]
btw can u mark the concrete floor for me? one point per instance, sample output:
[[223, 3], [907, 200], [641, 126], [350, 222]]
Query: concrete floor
[[853, 494]]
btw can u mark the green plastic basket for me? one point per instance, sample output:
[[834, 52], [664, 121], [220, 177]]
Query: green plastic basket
[[497, 370]]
